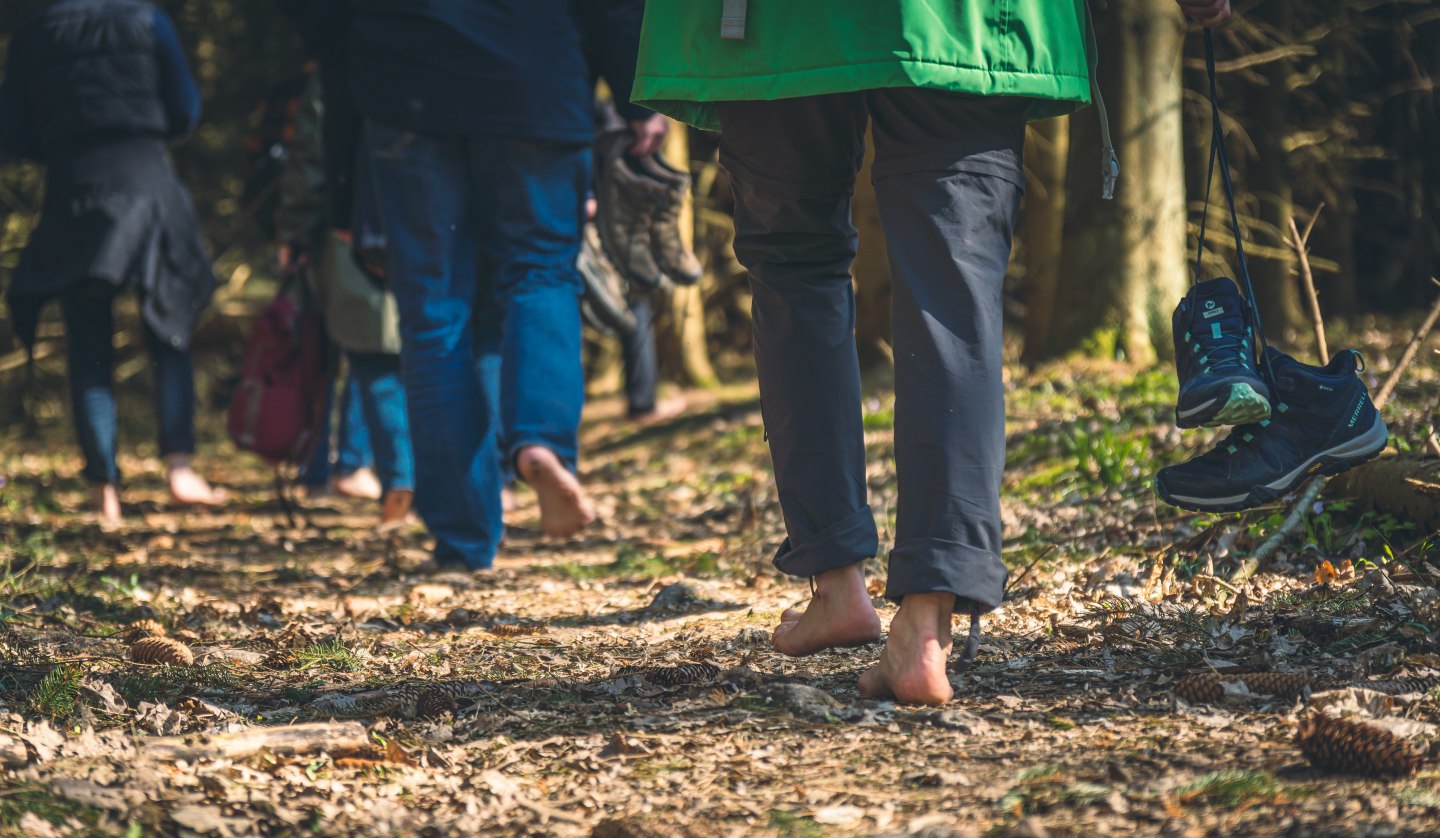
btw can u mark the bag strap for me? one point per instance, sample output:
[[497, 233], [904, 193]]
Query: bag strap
[[1220, 158], [1109, 160]]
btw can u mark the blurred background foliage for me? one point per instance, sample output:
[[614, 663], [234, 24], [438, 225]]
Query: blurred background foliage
[[1328, 102]]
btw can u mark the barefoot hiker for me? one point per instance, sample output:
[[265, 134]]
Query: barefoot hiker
[[946, 89], [92, 90], [478, 125]]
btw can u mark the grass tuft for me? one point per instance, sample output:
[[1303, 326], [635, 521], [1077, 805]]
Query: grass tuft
[[1230, 788], [330, 653], [57, 695]]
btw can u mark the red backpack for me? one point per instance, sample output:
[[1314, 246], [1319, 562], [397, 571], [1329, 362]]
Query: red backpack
[[279, 405]]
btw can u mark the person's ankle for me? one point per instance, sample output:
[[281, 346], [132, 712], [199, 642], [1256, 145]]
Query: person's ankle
[[925, 614], [841, 580], [177, 462]]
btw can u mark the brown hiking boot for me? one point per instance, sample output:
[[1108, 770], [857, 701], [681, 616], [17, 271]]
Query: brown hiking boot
[[675, 259], [627, 201]]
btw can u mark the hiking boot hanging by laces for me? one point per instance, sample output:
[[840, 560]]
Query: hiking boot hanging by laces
[[1323, 421]]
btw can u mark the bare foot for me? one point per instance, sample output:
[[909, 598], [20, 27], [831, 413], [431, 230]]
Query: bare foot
[[667, 408], [105, 500], [395, 509], [840, 614], [564, 508], [912, 667], [360, 483], [187, 486]]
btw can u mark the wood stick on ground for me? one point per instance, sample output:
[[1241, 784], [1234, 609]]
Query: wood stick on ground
[[332, 737], [1411, 350], [1308, 281], [1312, 488]]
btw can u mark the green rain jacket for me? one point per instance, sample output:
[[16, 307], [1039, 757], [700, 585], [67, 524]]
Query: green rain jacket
[[790, 48]]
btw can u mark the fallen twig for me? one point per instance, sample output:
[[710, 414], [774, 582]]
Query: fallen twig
[[332, 737], [1312, 488], [1308, 281], [1411, 350]]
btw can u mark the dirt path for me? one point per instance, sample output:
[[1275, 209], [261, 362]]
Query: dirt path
[[1066, 726]]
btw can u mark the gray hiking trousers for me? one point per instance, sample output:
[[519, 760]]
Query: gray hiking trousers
[[948, 179]]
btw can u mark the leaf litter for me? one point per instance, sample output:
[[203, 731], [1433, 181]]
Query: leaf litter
[[623, 684]]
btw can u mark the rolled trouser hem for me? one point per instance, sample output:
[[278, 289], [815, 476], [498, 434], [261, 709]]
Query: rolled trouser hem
[[847, 541], [448, 557], [931, 566]]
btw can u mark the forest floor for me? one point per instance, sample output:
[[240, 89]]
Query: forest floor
[[1065, 726]]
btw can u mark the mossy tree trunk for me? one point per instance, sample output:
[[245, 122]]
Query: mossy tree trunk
[[1042, 230], [1124, 260]]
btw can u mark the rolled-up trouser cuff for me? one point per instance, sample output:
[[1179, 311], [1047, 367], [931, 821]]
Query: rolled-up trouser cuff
[[930, 566], [847, 541]]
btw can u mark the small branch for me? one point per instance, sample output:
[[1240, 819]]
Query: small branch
[[282, 741], [1300, 242], [1411, 350]]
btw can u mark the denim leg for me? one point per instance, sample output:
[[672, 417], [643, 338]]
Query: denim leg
[[642, 369], [948, 182], [376, 377], [792, 164], [316, 473], [174, 395], [533, 196], [424, 188], [90, 338], [353, 449]]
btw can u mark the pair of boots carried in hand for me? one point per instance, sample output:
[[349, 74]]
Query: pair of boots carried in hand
[[1292, 420], [639, 201]]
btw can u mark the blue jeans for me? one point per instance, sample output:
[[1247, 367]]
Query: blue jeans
[[490, 353], [376, 377], [90, 333], [639, 361], [374, 428], [352, 438]]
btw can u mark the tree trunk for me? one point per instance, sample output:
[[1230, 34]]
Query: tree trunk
[[1042, 229], [685, 341], [1406, 486], [1125, 259], [871, 269], [1277, 293]]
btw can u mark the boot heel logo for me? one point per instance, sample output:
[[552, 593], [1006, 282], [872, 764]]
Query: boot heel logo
[[1355, 415]]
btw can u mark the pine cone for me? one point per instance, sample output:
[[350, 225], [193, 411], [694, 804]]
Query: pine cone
[[280, 659], [434, 702], [1203, 688], [145, 628], [1283, 684], [1208, 687], [1348, 747], [684, 675], [161, 650]]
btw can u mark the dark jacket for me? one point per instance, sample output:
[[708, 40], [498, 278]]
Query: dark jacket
[[92, 89], [513, 68], [324, 26]]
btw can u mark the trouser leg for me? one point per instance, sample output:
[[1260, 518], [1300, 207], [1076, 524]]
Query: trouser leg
[[641, 367], [382, 399], [792, 165], [948, 181], [90, 359], [174, 395], [426, 202], [352, 441], [533, 193]]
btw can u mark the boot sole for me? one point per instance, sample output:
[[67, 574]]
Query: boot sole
[[1242, 406], [1331, 461]]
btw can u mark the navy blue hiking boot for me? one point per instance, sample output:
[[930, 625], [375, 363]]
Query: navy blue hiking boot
[[1215, 359], [1324, 423]]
